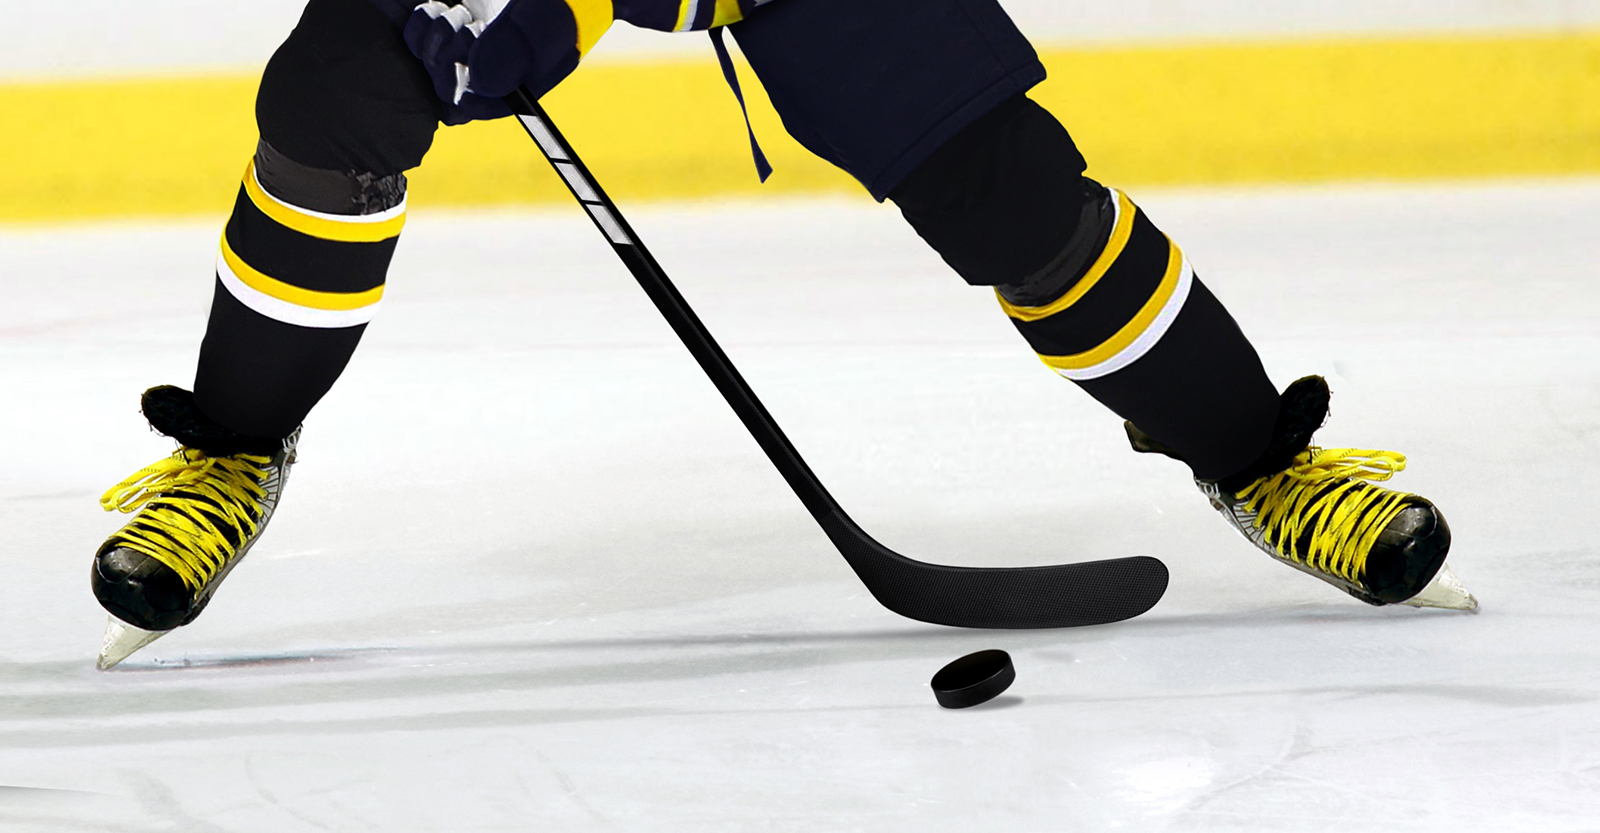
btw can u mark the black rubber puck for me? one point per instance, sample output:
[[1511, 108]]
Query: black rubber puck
[[973, 679]]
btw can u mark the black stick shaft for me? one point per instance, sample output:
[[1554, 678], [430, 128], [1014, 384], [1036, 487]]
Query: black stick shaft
[[633, 253]]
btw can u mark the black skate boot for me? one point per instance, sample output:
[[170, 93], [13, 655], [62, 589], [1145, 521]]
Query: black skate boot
[[1317, 510], [200, 510]]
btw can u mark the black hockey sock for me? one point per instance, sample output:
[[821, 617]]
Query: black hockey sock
[[1102, 296], [295, 289], [344, 109]]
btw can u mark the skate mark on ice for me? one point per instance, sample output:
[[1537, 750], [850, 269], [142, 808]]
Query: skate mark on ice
[[158, 799], [421, 705], [255, 784], [7, 792], [565, 783], [250, 661]]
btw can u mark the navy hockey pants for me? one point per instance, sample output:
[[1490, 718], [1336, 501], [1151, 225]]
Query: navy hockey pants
[[872, 87]]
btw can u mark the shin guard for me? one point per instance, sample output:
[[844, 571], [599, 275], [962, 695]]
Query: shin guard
[[300, 273], [1140, 332], [344, 110], [1102, 296]]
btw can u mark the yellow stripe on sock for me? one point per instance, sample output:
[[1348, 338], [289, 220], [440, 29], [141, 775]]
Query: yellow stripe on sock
[[1108, 256], [289, 293], [1130, 332], [354, 229]]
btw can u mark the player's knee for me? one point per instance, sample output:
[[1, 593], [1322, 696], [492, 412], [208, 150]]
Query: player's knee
[[1006, 204], [357, 193], [1111, 303], [344, 93], [300, 273]]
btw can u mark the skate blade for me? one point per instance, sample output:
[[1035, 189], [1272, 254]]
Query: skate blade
[[1445, 592], [122, 640]]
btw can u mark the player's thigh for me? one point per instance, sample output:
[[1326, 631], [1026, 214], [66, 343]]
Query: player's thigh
[[875, 87]]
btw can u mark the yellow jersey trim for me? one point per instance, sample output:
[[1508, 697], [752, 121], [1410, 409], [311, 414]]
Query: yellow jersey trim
[[593, 18], [727, 12], [686, 10]]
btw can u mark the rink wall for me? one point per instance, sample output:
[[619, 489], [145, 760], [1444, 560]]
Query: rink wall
[[1246, 109]]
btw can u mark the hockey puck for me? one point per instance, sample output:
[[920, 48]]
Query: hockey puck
[[973, 679]]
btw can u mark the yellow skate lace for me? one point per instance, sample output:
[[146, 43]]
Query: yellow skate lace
[[198, 510], [1322, 513]]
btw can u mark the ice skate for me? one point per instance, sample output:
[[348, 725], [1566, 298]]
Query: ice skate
[[199, 512], [1319, 510]]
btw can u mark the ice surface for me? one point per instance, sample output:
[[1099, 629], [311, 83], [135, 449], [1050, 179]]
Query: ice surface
[[532, 575]]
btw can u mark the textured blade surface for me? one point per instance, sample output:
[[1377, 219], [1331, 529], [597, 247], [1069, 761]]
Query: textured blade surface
[[122, 640], [1445, 592]]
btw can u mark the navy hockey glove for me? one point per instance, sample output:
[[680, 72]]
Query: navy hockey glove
[[479, 51]]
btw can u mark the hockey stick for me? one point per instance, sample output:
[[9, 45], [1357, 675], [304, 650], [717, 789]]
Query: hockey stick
[[1064, 595]]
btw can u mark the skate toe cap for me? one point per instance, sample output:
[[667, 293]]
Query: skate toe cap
[[139, 589], [1408, 553]]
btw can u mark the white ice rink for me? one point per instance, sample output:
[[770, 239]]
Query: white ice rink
[[531, 573]]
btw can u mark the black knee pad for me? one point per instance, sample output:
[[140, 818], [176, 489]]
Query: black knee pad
[[344, 93], [1005, 202]]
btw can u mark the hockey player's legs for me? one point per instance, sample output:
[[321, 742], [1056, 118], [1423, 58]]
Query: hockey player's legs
[[875, 88], [923, 102], [344, 110], [1093, 286]]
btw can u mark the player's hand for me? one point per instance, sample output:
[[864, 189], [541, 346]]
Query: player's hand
[[479, 51]]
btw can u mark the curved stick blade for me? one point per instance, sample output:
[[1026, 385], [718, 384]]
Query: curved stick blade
[[1055, 596]]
